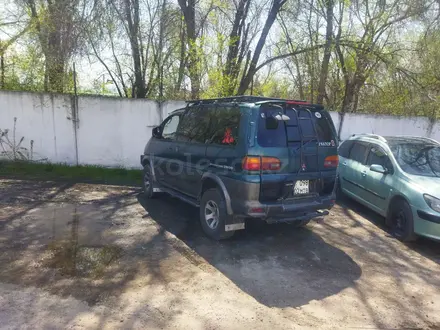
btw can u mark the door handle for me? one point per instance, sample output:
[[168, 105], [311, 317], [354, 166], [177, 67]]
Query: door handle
[[344, 163], [175, 149], [364, 173]]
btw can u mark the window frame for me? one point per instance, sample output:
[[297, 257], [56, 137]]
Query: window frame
[[168, 119], [184, 114], [387, 155], [351, 144], [217, 107], [366, 152]]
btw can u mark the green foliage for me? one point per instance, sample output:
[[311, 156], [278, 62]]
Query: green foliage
[[24, 70], [60, 172], [389, 52]]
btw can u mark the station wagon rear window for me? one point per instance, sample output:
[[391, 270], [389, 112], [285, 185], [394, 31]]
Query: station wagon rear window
[[314, 125]]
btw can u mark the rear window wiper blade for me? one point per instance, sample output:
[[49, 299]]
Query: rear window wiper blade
[[315, 139]]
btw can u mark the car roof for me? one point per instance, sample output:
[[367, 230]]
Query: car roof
[[397, 139], [409, 139], [251, 100]]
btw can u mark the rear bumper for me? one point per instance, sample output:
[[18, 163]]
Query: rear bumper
[[244, 197], [294, 210]]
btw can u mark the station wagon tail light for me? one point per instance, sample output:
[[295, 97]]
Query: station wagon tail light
[[251, 163], [331, 161]]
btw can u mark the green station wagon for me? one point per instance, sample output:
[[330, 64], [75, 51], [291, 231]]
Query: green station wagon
[[245, 158], [397, 177]]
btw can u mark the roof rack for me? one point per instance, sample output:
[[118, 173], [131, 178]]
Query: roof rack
[[414, 137], [374, 136], [242, 99]]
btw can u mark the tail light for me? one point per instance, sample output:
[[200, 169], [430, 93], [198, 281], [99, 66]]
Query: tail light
[[331, 161], [250, 163]]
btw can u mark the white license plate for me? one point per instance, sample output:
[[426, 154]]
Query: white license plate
[[301, 187]]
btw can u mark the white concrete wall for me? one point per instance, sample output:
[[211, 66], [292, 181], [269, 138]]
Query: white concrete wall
[[384, 125], [114, 131], [43, 118]]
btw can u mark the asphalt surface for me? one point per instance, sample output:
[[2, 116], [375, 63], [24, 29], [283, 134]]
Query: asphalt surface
[[93, 256]]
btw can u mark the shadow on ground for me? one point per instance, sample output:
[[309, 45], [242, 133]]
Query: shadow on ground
[[424, 246], [278, 265], [51, 239]]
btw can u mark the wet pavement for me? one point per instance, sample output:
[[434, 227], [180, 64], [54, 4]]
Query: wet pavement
[[114, 250]]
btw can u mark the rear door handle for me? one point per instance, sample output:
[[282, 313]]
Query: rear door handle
[[175, 149], [364, 173], [344, 163]]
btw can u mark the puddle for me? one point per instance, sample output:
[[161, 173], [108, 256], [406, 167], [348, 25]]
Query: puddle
[[81, 261], [73, 254], [75, 239]]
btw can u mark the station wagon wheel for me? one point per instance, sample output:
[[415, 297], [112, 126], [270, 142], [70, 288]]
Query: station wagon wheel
[[147, 183], [402, 225], [213, 214]]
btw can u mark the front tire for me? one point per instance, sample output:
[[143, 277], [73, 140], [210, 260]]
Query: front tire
[[147, 183], [401, 221], [213, 215]]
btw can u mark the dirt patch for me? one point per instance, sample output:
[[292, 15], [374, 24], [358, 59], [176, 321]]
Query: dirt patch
[[93, 256]]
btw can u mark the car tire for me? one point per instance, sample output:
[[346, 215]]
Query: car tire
[[338, 190], [213, 215], [401, 221], [147, 183]]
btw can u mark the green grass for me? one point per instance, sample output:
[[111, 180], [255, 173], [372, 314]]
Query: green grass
[[58, 172]]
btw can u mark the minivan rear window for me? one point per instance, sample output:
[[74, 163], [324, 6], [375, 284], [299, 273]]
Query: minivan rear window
[[288, 132]]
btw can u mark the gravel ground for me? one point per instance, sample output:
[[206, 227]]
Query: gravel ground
[[102, 257]]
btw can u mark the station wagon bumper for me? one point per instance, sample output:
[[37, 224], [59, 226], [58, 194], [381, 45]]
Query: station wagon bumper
[[427, 224]]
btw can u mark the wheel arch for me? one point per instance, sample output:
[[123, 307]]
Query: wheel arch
[[147, 160], [393, 200], [210, 180]]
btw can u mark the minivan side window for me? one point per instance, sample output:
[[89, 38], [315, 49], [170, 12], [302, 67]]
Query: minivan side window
[[194, 126], [224, 125], [378, 156], [357, 152], [170, 127]]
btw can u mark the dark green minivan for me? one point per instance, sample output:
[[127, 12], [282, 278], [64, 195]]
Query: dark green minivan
[[245, 158]]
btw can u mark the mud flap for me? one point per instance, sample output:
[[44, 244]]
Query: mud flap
[[234, 223]]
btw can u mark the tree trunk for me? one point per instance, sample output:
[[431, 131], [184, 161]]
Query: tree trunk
[[160, 61], [55, 63], [327, 51], [300, 78], [189, 15], [245, 82], [2, 68], [233, 61], [182, 62], [351, 95], [133, 28]]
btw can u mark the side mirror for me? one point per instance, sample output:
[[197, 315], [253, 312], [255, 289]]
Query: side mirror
[[271, 123], [157, 132], [378, 168]]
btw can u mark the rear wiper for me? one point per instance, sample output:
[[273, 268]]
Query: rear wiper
[[306, 144]]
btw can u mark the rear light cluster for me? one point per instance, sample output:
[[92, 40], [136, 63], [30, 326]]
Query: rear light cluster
[[331, 161], [256, 163]]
